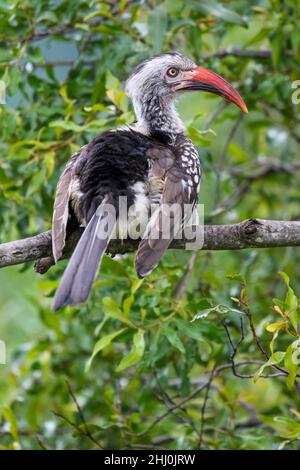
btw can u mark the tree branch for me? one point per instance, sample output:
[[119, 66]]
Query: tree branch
[[252, 233], [247, 53]]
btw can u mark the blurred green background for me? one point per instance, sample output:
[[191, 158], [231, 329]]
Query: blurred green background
[[158, 380]]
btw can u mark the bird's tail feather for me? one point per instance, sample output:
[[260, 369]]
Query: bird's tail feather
[[83, 266], [156, 240]]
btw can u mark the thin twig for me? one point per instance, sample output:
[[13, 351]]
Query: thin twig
[[246, 53], [82, 418], [223, 156], [195, 392], [201, 439], [168, 401]]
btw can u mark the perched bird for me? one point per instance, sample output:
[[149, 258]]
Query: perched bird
[[151, 163]]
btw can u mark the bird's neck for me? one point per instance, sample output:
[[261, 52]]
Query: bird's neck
[[156, 115]]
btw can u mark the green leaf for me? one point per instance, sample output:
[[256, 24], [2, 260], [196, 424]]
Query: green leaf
[[2, 92], [291, 362], [111, 309], [277, 45], [111, 82], [201, 137], [37, 181], [13, 425], [157, 23], [193, 330], [49, 159], [47, 16], [113, 268], [172, 337], [288, 428], [237, 277], [291, 302], [217, 9], [101, 344], [220, 309], [68, 126], [260, 36], [276, 326], [238, 152], [275, 329], [279, 303], [130, 299], [276, 358], [136, 352]]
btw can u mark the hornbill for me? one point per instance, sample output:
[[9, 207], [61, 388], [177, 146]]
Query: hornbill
[[151, 163]]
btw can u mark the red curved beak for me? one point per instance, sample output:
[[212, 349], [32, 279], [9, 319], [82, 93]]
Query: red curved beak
[[206, 80]]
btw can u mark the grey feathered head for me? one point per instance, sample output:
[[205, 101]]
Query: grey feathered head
[[165, 75]]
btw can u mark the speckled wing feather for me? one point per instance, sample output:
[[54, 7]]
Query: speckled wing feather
[[167, 167], [61, 207]]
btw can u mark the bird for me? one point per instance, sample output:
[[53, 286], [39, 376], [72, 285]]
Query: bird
[[151, 163]]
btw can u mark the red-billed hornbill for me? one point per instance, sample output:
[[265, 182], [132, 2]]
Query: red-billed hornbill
[[151, 162]]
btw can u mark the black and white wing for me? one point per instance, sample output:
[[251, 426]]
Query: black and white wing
[[177, 201]]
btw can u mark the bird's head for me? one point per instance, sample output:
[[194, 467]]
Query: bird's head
[[166, 75]]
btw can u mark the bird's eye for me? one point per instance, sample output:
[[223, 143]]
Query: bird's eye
[[172, 72]]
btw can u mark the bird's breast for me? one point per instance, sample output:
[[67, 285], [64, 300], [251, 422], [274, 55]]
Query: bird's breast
[[133, 218]]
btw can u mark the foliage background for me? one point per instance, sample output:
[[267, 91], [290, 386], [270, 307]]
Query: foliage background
[[63, 63]]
